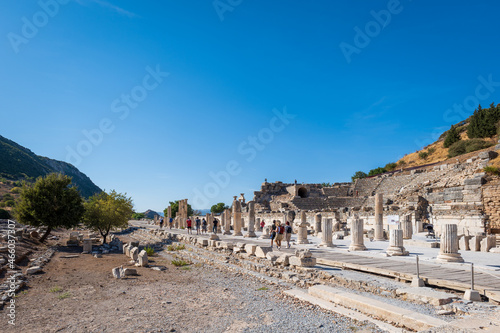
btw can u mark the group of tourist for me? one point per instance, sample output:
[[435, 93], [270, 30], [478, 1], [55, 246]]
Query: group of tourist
[[280, 231]]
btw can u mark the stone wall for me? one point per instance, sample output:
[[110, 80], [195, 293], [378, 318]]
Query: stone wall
[[491, 199]]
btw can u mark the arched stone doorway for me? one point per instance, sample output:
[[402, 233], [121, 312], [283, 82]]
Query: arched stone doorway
[[302, 192]]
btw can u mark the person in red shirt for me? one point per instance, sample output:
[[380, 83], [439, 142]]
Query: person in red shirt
[[189, 225]]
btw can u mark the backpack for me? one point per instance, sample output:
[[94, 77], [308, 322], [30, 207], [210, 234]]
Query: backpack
[[281, 229], [289, 229]]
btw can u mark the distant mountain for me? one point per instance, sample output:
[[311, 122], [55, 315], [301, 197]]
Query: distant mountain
[[17, 162], [150, 214]]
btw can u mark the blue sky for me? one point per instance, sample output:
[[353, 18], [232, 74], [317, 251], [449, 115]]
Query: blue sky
[[205, 99]]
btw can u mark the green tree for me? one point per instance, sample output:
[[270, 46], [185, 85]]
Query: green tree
[[104, 212], [175, 209], [218, 208], [451, 137], [50, 202], [138, 216], [358, 175], [326, 184], [390, 166], [423, 155]]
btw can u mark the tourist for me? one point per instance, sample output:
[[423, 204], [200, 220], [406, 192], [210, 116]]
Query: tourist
[[204, 226], [288, 234], [170, 222], [197, 223], [214, 228], [161, 223], [273, 233], [280, 230], [262, 224], [189, 225]]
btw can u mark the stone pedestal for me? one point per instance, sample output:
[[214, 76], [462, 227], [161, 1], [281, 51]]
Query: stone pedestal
[[396, 247], [265, 233], [87, 245], [143, 258], [357, 240], [326, 233], [302, 232], [317, 224], [251, 220], [475, 243], [463, 243], [419, 226], [407, 228], [379, 217], [449, 245], [227, 222], [488, 242]]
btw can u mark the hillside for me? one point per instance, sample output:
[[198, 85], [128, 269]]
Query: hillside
[[18, 162]]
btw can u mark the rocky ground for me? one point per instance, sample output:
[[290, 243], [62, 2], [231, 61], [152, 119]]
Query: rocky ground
[[76, 293]]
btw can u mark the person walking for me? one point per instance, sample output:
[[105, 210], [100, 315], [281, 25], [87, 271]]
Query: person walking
[[189, 224], [214, 228], [170, 222], [262, 224], [280, 230], [197, 223], [273, 232], [288, 234], [204, 226], [161, 223]]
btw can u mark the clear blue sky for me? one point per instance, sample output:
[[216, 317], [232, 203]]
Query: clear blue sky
[[355, 100]]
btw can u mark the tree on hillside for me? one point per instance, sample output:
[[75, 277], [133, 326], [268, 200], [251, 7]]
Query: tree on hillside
[[138, 216], [377, 171], [218, 208], [175, 209], [4, 214], [451, 137], [51, 202], [358, 175], [104, 212], [391, 166]]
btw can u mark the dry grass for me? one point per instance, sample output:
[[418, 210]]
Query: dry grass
[[441, 154]]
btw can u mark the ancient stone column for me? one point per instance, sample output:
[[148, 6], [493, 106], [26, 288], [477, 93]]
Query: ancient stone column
[[237, 217], [407, 228], [317, 224], [257, 224], [379, 217], [396, 247], [219, 225], [357, 241], [326, 233], [209, 222], [227, 222], [251, 219], [448, 251], [302, 233]]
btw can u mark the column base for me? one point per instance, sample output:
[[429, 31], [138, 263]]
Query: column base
[[449, 257], [250, 234], [214, 237], [238, 233], [357, 248], [326, 245], [379, 239], [396, 251], [302, 241], [227, 233], [472, 295]]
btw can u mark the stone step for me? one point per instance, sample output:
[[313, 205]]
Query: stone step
[[388, 312], [304, 296]]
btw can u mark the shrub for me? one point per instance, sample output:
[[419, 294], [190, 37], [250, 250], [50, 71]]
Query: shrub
[[423, 155], [358, 175], [15, 190], [390, 166], [55, 289], [431, 151], [4, 214], [179, 263], [377, 171], [64, 295], [467, 146], [491, 170], [10, 203], [263, 289], [402, 163], [149, 250], [176, 247]]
